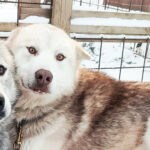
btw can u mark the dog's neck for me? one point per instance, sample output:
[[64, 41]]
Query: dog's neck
[[29, 118], [32, 113]]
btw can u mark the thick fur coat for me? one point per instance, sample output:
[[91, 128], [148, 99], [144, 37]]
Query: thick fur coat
[[101, 114]]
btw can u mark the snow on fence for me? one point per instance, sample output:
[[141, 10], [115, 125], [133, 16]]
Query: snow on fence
[[115, 56], [109, 29]]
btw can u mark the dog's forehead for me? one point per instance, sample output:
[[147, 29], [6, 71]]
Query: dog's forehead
[[45, 36]]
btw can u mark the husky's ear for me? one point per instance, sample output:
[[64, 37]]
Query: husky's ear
[[12, 38], [81, 53]]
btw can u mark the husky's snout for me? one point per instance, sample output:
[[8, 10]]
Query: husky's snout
[[2, 106], [42, 80], [2, 103], [5, 107]]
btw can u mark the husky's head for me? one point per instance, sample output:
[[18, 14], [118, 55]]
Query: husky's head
[[7, 84], [47, 61]]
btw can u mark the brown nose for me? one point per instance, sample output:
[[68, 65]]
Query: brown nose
[[43, 77]]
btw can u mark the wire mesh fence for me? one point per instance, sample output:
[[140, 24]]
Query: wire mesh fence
[[122, 58], [114, 5]]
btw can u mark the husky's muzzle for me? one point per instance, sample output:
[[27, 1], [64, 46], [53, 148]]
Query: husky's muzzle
[[2, 106]]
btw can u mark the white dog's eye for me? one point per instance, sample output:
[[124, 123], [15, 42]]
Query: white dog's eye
[[32, 50], [2, 70], [60, 57]]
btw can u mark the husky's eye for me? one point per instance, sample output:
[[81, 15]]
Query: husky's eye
[[60, 57], [2, 70], [32, 50]]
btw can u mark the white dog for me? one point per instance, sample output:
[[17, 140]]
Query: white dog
[[8, 95]]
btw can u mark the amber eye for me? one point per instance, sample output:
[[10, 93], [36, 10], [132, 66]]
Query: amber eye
[[2, 70], [60, 57], [32, 50]]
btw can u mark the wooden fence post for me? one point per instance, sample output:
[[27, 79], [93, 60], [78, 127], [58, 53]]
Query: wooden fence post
[[61, 14]]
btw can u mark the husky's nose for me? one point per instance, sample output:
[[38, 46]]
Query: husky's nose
[[43, 77], [2, 103]]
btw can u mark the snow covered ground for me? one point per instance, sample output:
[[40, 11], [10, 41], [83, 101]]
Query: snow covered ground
[[111, 57], [111, 52]]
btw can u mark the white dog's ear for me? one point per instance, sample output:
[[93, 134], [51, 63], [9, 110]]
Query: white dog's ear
[[82, 54], [10, 41]]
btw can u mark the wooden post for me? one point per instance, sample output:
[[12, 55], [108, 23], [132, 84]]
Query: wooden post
[[61, 14]]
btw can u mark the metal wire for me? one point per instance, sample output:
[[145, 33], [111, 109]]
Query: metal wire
[[112, 68], [100, 53], [142, 5], [130, 5], [81, 2], [147, 46], [18, 12], [16, 2], [121, 58], [105, 39]]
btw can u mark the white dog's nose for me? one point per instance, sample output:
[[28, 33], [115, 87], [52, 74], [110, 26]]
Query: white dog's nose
[[42, 80], [2, 103], [43, 77]]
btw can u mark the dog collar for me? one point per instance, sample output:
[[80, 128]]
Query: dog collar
[[17, 144]]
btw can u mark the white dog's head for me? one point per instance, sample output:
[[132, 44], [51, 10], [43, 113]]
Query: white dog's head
[[7, 84], [47, 60]]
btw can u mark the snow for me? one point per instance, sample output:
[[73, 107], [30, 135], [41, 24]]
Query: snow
[[4, 34], [121, 36], [111, 52], [8, 12], [111, 22], [111, 57], [35, 19]]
